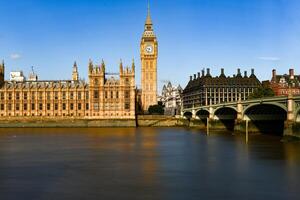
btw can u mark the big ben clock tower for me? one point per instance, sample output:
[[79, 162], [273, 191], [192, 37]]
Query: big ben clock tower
[[149, 53]]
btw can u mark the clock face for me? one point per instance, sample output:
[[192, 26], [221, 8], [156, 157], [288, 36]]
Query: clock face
[[149, 49]]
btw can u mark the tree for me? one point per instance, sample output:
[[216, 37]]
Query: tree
[[156, 110], [262, 92]]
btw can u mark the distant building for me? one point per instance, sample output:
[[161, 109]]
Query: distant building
[[171, 98], [17, 76], [33, 76], [205, 90], [282, 85]]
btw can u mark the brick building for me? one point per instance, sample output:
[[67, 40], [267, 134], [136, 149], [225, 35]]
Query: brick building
[[284, 84]]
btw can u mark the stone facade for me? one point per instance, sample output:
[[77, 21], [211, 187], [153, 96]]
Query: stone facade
[[171, 99], [103, 97], [149, 54], [205, 90], [286, 84]]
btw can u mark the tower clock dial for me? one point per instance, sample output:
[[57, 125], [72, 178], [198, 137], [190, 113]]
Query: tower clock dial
[[149, 49]]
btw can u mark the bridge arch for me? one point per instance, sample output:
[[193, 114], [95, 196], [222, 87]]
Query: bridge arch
[[264, 103], [266, 117], [202, 113], [220, 109], [188, 114], [226, 117]]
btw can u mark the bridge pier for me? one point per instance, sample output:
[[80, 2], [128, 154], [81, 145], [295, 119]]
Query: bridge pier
[[211, 113], [194, 116], [240, 109], [291, 109]]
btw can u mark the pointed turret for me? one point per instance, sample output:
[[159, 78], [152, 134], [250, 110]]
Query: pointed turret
[[133, 66], [121, 66], [75, 76], [148, 25], [2, 72], [91, 66], [148, 20], [103, 66]]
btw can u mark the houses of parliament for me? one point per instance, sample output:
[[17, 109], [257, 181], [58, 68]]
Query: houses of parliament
[[104, 96]]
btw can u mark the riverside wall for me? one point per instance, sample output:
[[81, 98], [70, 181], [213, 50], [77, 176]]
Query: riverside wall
[[141, 121], [64, 123]]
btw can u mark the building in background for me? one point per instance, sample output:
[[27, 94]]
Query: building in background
[[203, 89], [171, 99], [105, 96], [17, 76], [285, 84], [32, 75]]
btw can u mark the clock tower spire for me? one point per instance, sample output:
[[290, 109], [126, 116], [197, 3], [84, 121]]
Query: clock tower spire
[[149, 54]]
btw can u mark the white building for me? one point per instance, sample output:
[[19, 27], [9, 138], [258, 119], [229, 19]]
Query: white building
[[171, 98], [17, 76]]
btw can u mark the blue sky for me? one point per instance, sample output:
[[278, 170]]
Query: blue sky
[[193, 34]]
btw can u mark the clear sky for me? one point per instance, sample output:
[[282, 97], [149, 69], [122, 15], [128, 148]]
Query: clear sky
[[193, 34]]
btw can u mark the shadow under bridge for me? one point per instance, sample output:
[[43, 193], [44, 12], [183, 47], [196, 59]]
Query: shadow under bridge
[[266, 118]]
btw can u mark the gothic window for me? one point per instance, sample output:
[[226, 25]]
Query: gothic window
[[79, 95], [25, 95], [72, 95], [56, 95], [86, 95], [32, 95], [79, 106], [127, 94], [9, 96], [87, 106], [96, 94], [18, 95], [96, 106], [40, 95], [32, 106], [2, 107], [71, 106], [96, 82], [48, 106], [9, 106], [127, 106], [25, 106], [64, 106], [2, 96], [64, 96], [17, 106], [40, 106], [48, 96], [56, 106], [112, 94], [117, 94], [106, 95], [127, 81]]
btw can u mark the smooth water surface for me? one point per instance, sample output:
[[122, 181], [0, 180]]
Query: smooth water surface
[[145, 163]]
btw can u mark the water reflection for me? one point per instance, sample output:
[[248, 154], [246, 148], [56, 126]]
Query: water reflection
[[145, 163]]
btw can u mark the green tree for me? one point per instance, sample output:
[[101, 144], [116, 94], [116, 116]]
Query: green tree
[[262, 92], [156, 110]]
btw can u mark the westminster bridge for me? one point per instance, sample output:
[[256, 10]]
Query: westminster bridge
[[280, 115]]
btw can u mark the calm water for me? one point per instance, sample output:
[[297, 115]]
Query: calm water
[[145, 163]]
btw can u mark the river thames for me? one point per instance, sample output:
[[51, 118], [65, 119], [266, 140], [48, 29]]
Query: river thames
[[145, 163]]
